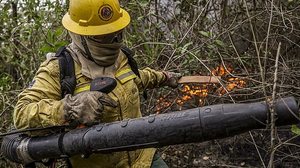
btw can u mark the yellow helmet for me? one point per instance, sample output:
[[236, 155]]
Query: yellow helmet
[[95, 17]]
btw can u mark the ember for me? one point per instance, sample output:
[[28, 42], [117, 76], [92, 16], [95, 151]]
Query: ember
[[189, 92], [199, 92]]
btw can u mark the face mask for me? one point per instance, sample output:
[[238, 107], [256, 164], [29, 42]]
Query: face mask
[[104, 54], [101, 53]]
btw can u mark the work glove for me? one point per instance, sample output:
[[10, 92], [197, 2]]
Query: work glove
[[171, 79], [86, 107]]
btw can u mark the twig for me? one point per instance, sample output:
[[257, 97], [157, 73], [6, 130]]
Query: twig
[[255, 145], [268, 35], [286, 142], [237, 53], [259, 61], [273, 111], [5, 109], [227, 166], [188, 31], [212, 74], [257, 50]]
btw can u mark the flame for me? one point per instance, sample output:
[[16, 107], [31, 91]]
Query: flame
[[222, 71], [232, 83], [186, 93], [194, 91], [198, 93], [162, 103]]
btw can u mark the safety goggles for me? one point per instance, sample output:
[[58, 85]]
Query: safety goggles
[[111, 38]]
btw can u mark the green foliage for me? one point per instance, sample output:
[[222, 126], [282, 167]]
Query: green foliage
[[205, 34], [295, 129], [29, 30], [5, 82], [51, 44]]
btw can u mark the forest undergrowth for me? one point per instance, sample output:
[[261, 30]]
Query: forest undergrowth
[[253, 45]]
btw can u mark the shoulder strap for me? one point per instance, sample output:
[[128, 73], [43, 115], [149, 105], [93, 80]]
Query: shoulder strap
[[131, 61], [133, 64], [67, 71]]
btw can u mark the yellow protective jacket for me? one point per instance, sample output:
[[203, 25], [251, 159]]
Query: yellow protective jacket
[[40, 106]]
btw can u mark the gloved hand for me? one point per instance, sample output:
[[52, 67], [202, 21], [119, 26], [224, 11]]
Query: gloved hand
[[171, 79], [86, 107]]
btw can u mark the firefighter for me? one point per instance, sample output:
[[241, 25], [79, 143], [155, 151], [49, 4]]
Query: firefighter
[[96, 29]]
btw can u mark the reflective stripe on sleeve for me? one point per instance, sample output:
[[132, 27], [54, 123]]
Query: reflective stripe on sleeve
[[125, 75]]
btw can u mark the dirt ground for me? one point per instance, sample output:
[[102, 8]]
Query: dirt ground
[[238, 151]]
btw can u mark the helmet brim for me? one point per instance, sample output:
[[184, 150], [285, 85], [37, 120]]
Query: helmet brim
[[112, 27]]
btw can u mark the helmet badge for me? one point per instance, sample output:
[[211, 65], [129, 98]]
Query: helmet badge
[[105, 12]]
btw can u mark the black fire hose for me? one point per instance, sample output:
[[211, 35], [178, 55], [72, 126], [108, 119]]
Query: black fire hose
[[193, 125]]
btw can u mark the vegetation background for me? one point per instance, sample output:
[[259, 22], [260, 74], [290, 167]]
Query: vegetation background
[[187, 36]]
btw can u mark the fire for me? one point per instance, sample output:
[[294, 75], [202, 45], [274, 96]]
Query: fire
[[199, 92], [162, 103], [232, 84], [186, 93], [222, 71], [189, 92]]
